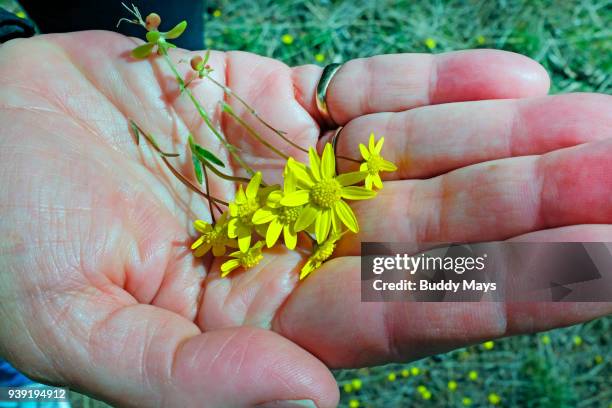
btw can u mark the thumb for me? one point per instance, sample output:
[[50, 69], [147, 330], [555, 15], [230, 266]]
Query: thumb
[[145, 356]]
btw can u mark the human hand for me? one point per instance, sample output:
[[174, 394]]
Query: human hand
[[101, 292]]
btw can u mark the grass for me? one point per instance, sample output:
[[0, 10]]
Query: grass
[[569, 367]]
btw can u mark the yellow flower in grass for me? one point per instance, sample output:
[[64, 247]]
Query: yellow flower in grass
[[245, 259], [374, 162], [279, 217], [241, 211], [213, 236], [322, 192], [321, 253]]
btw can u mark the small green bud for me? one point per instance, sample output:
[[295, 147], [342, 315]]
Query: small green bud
[[153, 36]]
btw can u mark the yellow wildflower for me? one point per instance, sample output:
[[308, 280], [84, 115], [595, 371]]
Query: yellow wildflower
[[480, 40], [473, 375], [494, 399], [241, 211], [391, 377], [430, 43], [287, 39], [405, 373], [278, 217], [374, 163], [21, 14], [452, 385], [319, 57], [545, 339], [216, 13], [356, 383], [320, 255], [348, 388], [246, 259], [488, 345], [213, 236], [577, 340], [415, 371], [322, 192], [466, 401], [354, 403]]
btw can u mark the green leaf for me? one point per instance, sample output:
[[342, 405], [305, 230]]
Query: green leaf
[[203, 154], [143, 51], [176, 31], [197, 168], [207, 155]]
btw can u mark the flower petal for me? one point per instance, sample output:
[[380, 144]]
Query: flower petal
[[202, 226], [253, 186], [296, 198], [386, 165], [303, 176], [290, 237], [290, 182], [274, 230], [323, 225], [379, 145], [305, 219], [229, 266], [202, 250], [328, 163], [364, 152], [240, 196], [197, 243], [244, 241], [371, 142], [315, 163], [232, 228], [308, 268], [346, 214], [357, 193], [368, 182], [263, 216], [377, 181], [354, 177], [363, 166]]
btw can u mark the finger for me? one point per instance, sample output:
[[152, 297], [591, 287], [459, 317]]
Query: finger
[[397, 82], [146, 356], [433, 140], [493, 200], [326, 316]]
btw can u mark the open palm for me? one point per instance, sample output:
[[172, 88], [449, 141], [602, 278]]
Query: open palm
[[100, 290]]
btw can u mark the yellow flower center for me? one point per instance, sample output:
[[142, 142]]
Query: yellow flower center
[[287, 215], [250, 259], [324, 251], [374, 164], [326, 193], [247, 209], [216, 236]]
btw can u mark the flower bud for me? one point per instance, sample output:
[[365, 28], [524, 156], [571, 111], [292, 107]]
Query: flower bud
[[153, 21], [196, 63]]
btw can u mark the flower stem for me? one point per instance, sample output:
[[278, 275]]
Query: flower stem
[[164, 156], [228, 109], [253, 112], [207, 186], [231, 148]]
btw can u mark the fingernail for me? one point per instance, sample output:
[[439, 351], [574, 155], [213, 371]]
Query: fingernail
[[306, 403]]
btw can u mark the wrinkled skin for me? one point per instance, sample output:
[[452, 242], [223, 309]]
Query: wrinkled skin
[[99, 289]]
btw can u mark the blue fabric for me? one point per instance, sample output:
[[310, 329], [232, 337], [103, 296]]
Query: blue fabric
[[9, 377]]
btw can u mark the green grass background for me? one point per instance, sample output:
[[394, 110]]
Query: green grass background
[[568, 367]]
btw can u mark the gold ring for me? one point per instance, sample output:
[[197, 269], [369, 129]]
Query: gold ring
[[326, 76], [334, 139]]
